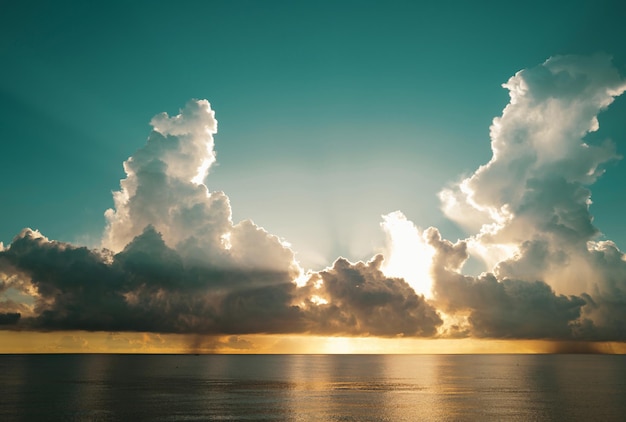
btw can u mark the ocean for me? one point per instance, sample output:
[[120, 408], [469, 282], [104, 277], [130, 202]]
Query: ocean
[[312, 387]]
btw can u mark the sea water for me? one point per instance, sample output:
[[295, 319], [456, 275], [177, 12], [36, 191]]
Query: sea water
[[312, 387]]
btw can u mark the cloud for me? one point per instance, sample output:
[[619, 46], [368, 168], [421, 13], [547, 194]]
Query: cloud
[[145, 287], [530, 208], [173, 261], [408, 255], [358, 299], [9, 318], [163, 185], [498, 308], [534, 186], [164, 189], [149, 287]]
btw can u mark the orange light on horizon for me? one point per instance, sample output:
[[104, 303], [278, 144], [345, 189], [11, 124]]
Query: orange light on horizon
[[150, 343]]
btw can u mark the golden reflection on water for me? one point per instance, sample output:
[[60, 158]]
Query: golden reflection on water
[[448, 387], [313, 387]]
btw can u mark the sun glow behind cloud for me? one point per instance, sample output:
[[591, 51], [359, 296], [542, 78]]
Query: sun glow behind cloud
[[407, 255]]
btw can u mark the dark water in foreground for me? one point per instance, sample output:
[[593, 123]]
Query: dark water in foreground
[[313, 388]]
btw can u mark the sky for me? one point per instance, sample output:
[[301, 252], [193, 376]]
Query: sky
[[420, 177]]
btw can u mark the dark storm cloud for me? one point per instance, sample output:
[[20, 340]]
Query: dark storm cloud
[[9, 318], [149, 287], [145, 287], [361, 300]]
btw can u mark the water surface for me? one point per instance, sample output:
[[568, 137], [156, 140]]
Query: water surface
[[312, 387]]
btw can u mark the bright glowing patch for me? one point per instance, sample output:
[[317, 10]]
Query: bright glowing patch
[[203, 169], [339, 345], [318, 300], [491, 254], [225, 238], [408, 255], [304, 277]]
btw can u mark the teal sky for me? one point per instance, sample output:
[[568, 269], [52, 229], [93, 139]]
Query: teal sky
[[330, 113]]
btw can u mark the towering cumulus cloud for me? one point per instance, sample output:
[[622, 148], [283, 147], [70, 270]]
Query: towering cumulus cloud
[[173, 261], [163, 185], [530, 207], [164, 190]]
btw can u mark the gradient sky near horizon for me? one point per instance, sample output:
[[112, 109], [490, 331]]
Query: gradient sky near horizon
[[331, 113]]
